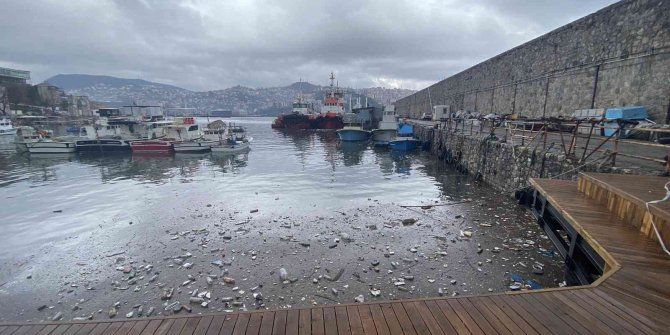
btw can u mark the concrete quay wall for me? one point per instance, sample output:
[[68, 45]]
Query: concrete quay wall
[[501, 165], [618, 56]]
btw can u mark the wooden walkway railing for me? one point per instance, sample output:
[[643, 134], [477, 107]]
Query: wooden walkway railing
[[632, 296]]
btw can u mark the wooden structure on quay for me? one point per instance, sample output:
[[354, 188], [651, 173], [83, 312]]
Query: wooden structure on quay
[[601, 218]]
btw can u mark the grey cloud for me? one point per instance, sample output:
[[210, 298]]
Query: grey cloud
[[204, 45]]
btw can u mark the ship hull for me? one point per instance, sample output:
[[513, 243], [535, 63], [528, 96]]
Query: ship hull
[[51, 148], [383, 137], [102, 146], [151, 147], [328, 122], [292, 121], [405, 144], [353, 135]]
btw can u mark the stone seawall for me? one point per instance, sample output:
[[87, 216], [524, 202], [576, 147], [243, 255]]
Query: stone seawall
[[617, 56], [501, 165]]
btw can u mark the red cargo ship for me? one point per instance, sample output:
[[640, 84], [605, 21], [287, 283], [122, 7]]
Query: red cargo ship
[[301, 117], [332, 109]]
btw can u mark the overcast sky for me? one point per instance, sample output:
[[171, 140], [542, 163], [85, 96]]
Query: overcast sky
[[206, 45]]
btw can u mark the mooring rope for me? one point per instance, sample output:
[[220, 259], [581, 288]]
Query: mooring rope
[[653, 222]]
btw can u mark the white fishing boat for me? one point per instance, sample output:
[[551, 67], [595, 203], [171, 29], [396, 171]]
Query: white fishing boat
[[26, 136], [233, 140], [231, 146], [6, 127], [104, 138], [52, 146], [186, 136], [388, 127]]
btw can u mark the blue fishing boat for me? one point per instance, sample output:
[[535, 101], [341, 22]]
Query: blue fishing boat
[[353, 130], [405, 140]]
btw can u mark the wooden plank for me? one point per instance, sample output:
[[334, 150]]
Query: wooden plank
[[317, 321], [433, 324], [464, 316], [420, 311], [305, 322], [366, 320], [515, 324], [452, 317], [329, 321], [292, 321], [9, 330], [279, 324], [342, 320], [60, 330], [403, 318], [189, 326], [177, 326], [604, 314], [203, 325], [37, 328], [266, 324], [490, 317], [228, 324], [151, 327], [215, 326], [164, 327], [649, 324], [86, 329], [254, 326], [481, 320], [391, 319], [138, 327], [125, 328], [547, 306], [579, 323], [113, 327], [549, 320], [100, 328], [48, 329], [21, 330], [241, 324], [502, 301], [415, 318], [354, 320], [588, 319], [439, 317]]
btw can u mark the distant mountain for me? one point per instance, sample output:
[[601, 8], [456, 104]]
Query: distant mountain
[[77, 81], [114, 92]]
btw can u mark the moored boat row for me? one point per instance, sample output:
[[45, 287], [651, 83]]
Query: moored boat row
[[182, 135], [398, 136]]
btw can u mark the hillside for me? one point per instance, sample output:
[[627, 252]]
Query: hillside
[[77, 81], [113, 91]]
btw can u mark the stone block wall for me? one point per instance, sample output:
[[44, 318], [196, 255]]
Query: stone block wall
[[617, 56], [501, 165]]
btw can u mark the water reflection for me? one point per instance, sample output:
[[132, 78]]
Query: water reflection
[[307, 171], [352, 152], [272, 150]]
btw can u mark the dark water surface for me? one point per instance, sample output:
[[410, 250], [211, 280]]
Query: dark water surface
[[70, 224]]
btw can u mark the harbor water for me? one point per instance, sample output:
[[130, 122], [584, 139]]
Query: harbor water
[[301, 219]]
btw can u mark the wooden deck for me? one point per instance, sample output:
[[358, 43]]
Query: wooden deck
[[633, 296]]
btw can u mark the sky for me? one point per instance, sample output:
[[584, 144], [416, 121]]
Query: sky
[[207, 45]]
